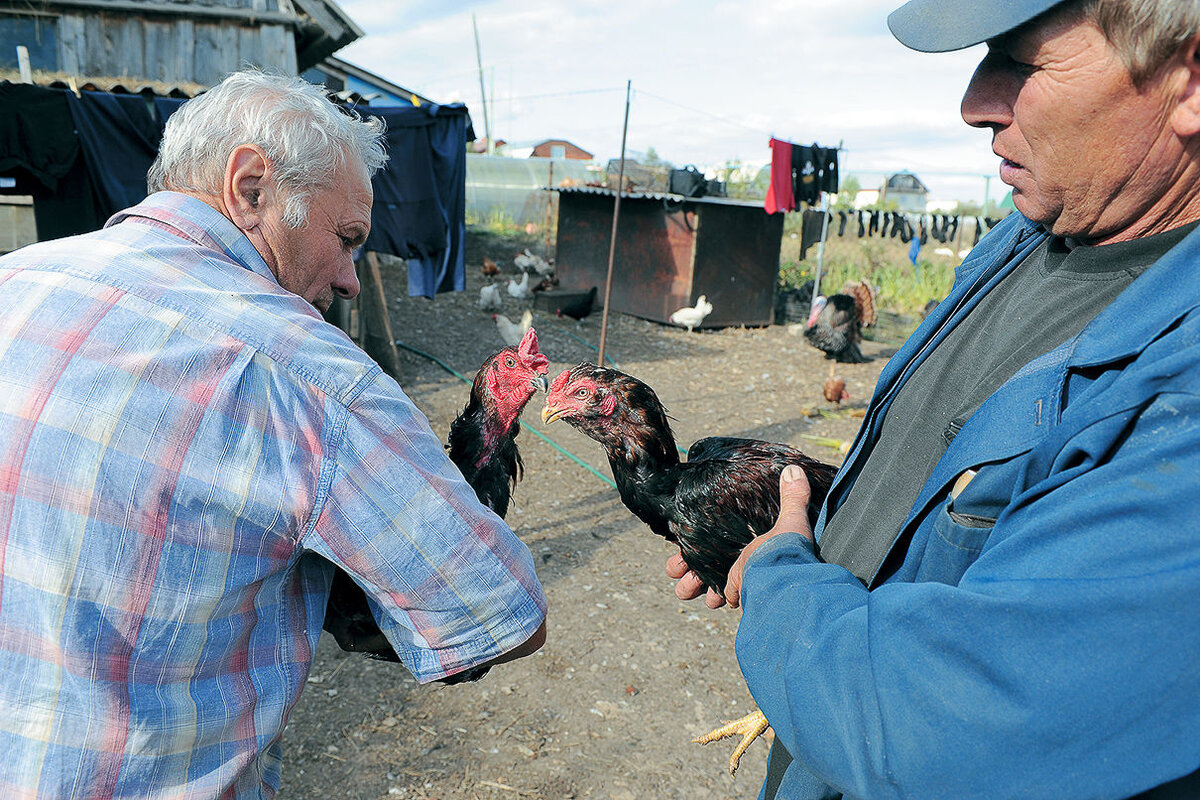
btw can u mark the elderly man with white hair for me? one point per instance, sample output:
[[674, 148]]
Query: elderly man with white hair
[[190, 452]]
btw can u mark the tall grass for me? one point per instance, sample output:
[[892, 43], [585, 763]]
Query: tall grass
[[497, 221], [904, 288]]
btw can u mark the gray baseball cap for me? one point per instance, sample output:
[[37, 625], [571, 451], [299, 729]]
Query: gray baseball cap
[[938, 26]]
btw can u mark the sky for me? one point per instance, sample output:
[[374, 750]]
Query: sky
[[711, 80]]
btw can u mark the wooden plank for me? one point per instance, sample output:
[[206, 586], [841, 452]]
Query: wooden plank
[[125, 53], [71, 44], [216, 53], [95, 37], [377, 338], [278, 48]]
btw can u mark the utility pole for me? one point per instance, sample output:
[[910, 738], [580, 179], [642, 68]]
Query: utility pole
[[487, 130], [612, 244]]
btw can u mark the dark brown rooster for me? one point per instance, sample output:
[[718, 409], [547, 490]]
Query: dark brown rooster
[[482, 444], [712, 505]]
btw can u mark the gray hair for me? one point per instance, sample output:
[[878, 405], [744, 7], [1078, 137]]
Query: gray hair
[[1146, 33], [305, 136]]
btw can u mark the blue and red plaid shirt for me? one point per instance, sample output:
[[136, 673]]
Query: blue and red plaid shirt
[[187, 450]]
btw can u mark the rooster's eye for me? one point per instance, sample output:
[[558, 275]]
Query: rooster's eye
[[508, 362], [582, 393]]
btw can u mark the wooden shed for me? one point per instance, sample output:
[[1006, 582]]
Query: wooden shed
[[170, 41], [669, 251]]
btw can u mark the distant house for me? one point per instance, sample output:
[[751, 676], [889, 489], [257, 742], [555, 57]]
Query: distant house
[[560, 148], [356, 85], [906, 191]]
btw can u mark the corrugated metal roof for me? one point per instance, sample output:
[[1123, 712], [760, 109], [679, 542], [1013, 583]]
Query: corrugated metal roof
[[126, 85], [677, 198]]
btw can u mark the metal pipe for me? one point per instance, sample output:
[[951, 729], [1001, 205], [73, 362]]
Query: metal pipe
[[612, 245]]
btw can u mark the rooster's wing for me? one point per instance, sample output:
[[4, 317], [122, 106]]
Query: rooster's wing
[[728, 493]]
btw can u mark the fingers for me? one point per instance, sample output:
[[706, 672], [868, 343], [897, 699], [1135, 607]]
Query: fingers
[[794, 494], [676, 566], [689, 586]]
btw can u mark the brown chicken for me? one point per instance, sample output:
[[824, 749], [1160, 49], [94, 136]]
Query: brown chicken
[[834, 388]]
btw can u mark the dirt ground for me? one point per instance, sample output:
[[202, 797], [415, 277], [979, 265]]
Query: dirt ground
[[629, 674]]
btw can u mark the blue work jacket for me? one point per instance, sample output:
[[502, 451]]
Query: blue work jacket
[[1032, 633]]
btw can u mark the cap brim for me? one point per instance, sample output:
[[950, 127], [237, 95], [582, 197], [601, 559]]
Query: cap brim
[[939, 26]]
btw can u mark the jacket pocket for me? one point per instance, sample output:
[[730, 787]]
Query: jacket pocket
[[958, 537]]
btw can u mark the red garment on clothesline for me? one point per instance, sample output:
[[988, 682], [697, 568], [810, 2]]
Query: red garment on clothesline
[[780, 196]]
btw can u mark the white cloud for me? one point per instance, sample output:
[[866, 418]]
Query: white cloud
[[712, 80]]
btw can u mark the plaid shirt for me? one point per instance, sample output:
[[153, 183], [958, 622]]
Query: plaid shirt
[[187, 451]]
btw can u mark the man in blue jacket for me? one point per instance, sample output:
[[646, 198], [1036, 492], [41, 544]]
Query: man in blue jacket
[[999, 601]]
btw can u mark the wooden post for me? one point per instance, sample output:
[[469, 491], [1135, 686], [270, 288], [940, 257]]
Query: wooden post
[[377, 339], [612, 245]]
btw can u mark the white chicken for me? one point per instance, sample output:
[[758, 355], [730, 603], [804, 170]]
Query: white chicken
[[528, 262], [520, 290], [490, 298], [691, 316], [512, 332]]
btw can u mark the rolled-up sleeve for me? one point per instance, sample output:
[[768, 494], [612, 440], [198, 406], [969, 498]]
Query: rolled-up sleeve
[[455, 585]]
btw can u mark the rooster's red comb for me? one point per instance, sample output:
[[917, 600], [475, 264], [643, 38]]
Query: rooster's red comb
[[528, 351]]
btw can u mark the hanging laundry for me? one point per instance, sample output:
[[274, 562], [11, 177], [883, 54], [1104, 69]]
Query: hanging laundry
[[826, 159], [780, 193], [814, 223], [841, 223], [862, 228], [804, 174]]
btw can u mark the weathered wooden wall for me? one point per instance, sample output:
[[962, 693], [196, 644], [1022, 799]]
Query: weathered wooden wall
[[170, 50]]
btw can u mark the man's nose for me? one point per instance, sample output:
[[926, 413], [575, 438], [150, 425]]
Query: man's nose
[[988, 101], [347, 284]]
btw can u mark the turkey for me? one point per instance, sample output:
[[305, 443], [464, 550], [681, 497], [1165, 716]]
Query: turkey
[[836, 322]]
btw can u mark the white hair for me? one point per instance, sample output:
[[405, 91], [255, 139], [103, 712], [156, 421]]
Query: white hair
[[306, 138]]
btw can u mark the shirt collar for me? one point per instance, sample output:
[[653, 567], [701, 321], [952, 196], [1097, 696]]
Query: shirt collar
[[199, 222]]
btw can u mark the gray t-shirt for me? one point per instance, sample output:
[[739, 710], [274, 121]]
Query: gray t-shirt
[[1044, 301]]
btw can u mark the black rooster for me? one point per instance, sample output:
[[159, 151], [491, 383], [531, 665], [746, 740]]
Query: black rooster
[[712, 505], [578, 308], [482, 444]]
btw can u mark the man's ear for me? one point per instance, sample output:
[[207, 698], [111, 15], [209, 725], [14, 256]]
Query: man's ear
[[1185, 118], [245, 186]]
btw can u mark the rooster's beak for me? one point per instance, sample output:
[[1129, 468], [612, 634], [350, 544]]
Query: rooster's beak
[[551, 413], [540, 382]]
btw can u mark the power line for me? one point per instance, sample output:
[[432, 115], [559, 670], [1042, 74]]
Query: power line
[[700, 111]]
